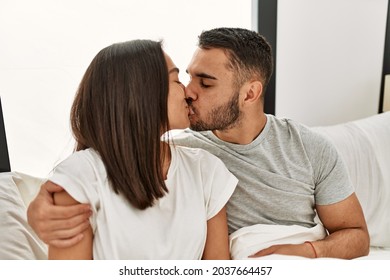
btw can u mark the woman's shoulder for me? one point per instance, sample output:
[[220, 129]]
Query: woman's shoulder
[[87, 155], [82, 161], [195, 153], [201, 160]]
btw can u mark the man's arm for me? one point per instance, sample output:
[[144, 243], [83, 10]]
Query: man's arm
[[60, 226], [348, 234]]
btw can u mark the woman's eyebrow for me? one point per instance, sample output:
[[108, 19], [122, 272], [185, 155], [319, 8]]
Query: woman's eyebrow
[[175, 69]]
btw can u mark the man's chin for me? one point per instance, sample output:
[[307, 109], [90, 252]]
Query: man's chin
[[197, 127], [194, 128]]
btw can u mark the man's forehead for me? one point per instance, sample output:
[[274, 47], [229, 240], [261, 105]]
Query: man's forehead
[[205, 60]]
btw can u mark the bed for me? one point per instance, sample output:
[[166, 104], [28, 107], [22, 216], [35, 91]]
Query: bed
[[364, 145]]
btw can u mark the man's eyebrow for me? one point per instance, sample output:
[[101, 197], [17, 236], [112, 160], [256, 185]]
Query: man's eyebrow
[[174, 70], [204, 75]]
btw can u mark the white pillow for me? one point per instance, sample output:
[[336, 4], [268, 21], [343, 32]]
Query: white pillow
[[365, 147], [17, 239]]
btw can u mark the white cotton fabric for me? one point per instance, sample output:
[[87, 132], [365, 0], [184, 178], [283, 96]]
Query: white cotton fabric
[[174, 228], [249, 240], [17, 240]]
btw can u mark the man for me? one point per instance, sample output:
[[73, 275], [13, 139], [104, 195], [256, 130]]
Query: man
[[287, 174]]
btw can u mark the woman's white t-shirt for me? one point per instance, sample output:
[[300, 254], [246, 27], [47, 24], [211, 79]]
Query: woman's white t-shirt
[[175, 227]]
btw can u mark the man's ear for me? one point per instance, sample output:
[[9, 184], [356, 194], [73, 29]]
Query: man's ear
[[253, 91]]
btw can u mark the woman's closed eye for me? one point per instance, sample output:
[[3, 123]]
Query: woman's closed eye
[[180, 84]]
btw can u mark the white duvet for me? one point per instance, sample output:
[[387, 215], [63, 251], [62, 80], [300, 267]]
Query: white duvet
[[249, 240]]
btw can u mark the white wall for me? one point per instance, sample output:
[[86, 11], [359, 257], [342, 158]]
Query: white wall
[[46, 46], [329, 59], [328, 66]]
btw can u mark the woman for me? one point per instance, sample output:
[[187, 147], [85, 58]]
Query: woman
[[150, 199]]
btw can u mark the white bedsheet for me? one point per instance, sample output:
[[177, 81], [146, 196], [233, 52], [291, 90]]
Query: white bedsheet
[[249, 240], [377, 253]]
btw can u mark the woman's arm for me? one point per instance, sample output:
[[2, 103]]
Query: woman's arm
[[217, 242], [61, 226], [79, 251]]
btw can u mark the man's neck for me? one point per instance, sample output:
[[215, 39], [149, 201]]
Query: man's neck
[[244, 133]]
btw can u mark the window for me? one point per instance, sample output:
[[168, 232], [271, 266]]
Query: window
[[47, 45]]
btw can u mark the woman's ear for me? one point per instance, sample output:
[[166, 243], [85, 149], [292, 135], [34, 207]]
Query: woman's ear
[[253, 91]]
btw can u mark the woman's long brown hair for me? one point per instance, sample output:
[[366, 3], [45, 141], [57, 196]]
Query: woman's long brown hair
[[120, 110]]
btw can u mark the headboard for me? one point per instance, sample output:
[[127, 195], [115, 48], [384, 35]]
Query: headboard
[[5, 165]]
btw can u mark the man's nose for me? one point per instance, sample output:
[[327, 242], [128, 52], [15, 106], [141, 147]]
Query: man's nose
[[190, 93]]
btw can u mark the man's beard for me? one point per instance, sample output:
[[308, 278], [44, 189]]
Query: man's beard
[[220, 118]]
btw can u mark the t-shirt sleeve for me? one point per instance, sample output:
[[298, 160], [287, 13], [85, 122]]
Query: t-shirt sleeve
[[332, 181], [77, 176], [219, 184]]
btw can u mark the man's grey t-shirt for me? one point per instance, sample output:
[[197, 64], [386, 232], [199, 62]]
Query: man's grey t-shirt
[[282, 174]]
